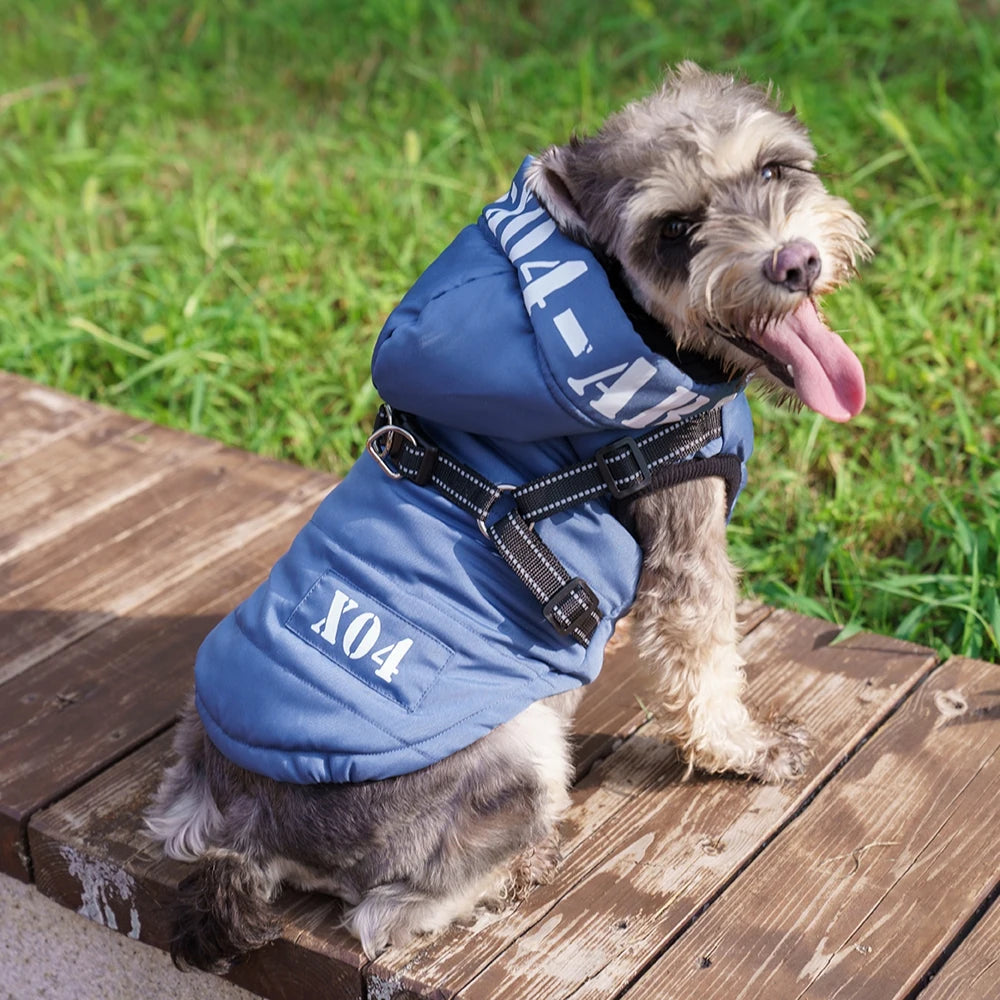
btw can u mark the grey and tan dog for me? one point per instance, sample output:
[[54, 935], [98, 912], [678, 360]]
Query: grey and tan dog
[[707, 195]]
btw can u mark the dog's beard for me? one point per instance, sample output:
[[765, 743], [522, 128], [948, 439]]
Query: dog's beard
[[752, 326], [797, 349]]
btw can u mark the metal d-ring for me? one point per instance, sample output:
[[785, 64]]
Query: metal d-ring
[[386, 432], [500, 488]]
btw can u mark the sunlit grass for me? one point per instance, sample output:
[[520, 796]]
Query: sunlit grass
[[207, 220]]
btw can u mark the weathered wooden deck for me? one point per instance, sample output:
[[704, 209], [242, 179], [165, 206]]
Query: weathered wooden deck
[[121, 543]]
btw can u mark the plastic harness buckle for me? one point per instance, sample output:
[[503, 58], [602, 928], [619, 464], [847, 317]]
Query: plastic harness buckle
[[619, 451], [566, 620]]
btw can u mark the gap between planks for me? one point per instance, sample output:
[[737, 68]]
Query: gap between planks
[[972, 970], [908, 834]]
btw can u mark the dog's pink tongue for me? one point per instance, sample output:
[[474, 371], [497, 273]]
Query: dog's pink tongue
[[828, 376]]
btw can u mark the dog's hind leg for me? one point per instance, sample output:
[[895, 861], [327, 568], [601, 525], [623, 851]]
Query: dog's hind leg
[[685, 627], [223, 910], [490, 836]]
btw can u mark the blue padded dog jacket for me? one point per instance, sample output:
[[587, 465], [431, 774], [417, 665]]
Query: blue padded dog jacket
[[392, 633]]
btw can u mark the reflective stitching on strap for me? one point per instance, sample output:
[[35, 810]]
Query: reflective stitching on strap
[[475, 480], [465, 502], [570, 500], [530, 538], [586, 479], [568, 602], [512, 561]]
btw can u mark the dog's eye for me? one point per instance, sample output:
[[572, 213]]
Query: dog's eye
[[770, 172], [674, 229]]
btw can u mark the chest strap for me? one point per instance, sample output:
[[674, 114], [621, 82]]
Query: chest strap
[[623, 469]]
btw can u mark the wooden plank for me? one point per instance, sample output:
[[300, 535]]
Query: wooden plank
[[750, 614], [57, 487], [613, 707], [973, 971], [127, 553], [32, 416], [644, 850], [88, 705], [859, 897], [100, 824], [81, 854], [92, 854]]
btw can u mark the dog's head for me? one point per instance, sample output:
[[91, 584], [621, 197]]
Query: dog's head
[[705, 196]]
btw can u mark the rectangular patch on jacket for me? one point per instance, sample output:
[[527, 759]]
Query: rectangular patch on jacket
[[368, 639]]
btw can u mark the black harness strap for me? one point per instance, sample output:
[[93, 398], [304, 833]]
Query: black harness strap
[[626, 468], [568, 604]]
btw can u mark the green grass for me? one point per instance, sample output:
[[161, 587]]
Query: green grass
[[208, 221]]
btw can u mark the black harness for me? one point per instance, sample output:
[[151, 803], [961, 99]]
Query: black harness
[[626, 468]]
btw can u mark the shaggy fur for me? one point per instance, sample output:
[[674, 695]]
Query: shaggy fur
[[703, 202], [408, 854]]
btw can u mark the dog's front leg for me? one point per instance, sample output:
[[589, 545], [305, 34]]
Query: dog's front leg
[[685, 628]]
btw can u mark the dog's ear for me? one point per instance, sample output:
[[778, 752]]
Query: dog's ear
[[550, 177]]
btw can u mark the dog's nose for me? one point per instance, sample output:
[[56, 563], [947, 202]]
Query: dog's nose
[[795, 265]]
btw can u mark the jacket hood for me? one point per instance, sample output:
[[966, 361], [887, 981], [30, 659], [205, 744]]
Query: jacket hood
[[515, 331]]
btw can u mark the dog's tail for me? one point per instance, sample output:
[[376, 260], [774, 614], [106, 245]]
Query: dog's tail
[[223, 911]]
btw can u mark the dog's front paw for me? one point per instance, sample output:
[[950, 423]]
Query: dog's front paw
[[772, 750], [783, 751]]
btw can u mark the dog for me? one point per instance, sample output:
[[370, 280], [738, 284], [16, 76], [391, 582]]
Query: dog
[[698, 214]]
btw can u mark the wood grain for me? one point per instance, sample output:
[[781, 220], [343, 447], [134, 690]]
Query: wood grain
[[56, 488], [86, 706], [121, 544], [973, 971], [858, 897], [645, 850], [128, 552], [32, 416]]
